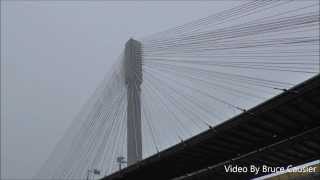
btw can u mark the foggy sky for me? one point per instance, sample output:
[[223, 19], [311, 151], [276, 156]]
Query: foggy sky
[[54, 54]]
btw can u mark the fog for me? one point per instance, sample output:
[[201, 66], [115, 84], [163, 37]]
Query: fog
[[54, 54]]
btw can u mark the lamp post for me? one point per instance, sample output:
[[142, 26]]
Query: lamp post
[[121, 160], [94, 171]]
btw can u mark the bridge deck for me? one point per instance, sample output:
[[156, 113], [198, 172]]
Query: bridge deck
[[283, 130]]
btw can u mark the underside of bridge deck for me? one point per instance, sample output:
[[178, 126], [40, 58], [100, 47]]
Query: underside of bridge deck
[[284, 130]]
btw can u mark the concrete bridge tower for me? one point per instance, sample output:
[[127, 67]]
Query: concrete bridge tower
[[133, 74]]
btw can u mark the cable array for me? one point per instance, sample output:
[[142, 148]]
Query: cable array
[[96, 136], [195, 76], [204, 72]]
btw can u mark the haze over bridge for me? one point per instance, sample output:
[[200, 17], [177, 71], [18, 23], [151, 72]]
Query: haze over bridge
[[173, 85]]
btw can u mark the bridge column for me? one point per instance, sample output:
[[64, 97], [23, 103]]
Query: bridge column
[[133, 74]]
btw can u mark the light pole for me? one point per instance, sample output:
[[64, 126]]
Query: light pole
[[94, 171], [121, 161]]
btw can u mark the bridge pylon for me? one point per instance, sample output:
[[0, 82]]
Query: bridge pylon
[[133, 75]]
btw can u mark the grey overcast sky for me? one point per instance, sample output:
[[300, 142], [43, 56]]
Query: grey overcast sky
[[54, 54]]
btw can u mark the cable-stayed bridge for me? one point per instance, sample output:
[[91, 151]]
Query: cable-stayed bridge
[[237, 87]]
